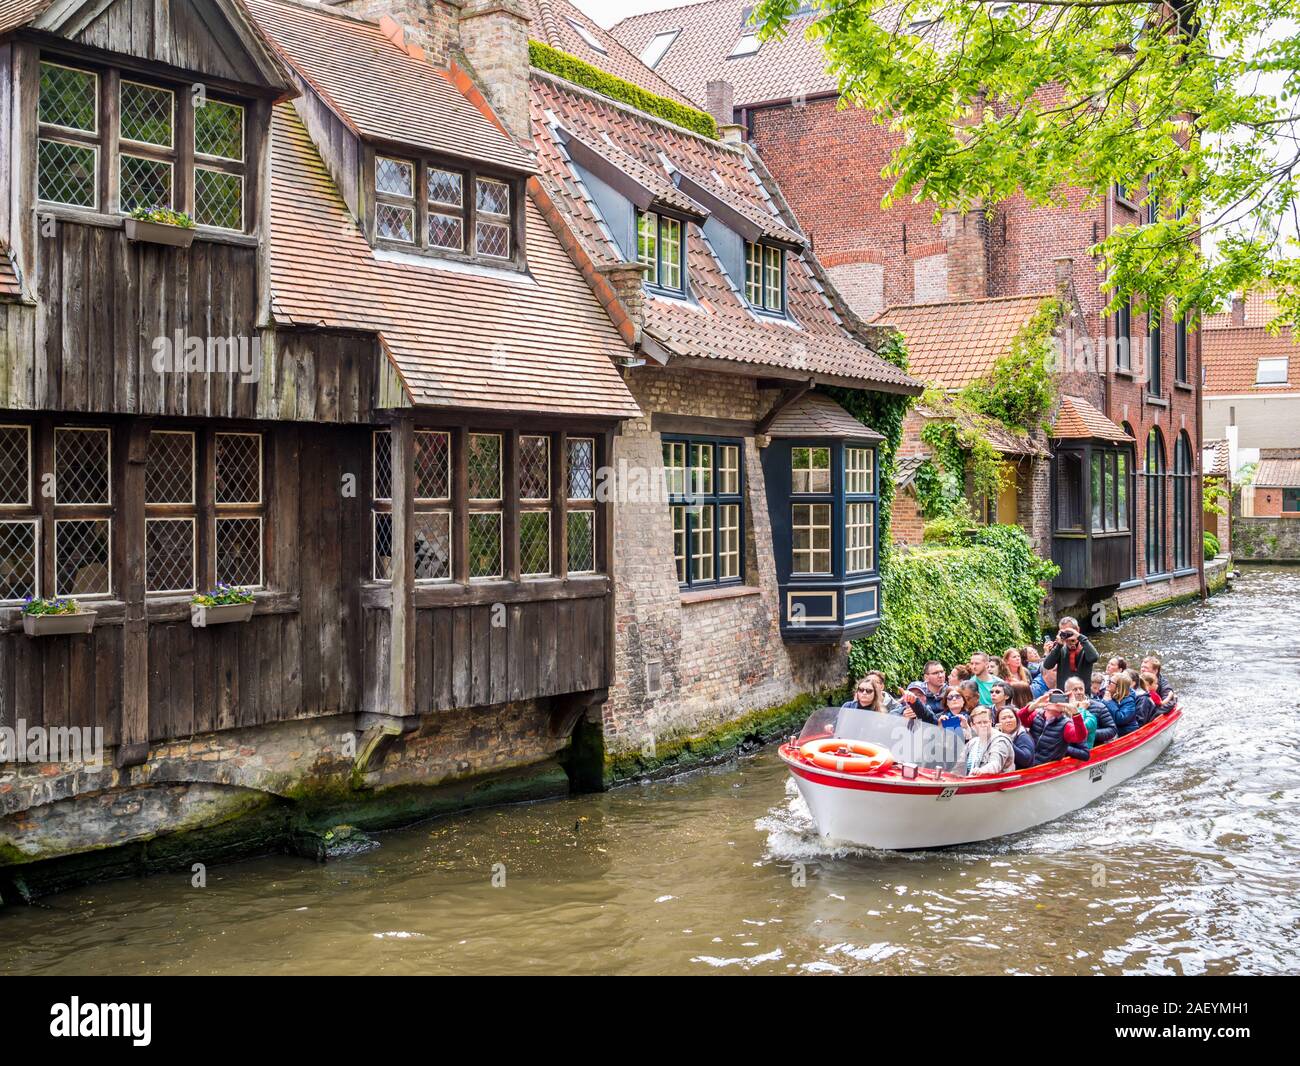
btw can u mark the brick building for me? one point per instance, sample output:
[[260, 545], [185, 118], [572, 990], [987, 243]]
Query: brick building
[[828, 161]]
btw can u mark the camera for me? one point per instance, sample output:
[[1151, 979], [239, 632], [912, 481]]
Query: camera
[[1058, 697], [1066, 634]]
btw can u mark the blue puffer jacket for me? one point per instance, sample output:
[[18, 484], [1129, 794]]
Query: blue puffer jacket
[[1106, 728], [1125, 713], [1050, 741]]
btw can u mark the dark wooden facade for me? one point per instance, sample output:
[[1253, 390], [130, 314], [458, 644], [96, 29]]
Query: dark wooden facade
[[327, 638]]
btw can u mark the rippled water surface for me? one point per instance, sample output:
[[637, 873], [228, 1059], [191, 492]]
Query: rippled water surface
[[1193, 867]]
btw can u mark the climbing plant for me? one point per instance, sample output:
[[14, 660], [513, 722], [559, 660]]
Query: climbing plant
[[544, 57], [943, 601], [1019, 389], [884, 412]]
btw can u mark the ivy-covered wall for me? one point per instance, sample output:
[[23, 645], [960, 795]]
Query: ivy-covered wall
[[979, 591]]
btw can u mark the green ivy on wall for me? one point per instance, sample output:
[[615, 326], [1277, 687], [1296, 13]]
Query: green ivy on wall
[[1020, 388], [944, 601], [544, 57], [884, 412]]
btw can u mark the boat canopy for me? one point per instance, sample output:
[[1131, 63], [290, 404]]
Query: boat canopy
[[911, 741]]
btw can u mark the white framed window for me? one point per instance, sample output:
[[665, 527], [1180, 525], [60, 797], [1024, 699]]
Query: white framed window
[[395, 199], [238, 536], [678, 512], [728, 469], [15, 466], [171, 513], [675, 467], [20, 555], [810, 470], [859, 537], [859, 470], [702, 533], [170, 555], [728, 541], [535, 543], [83, 557], [492, 219], [654, 52], [1272, 371], [82, 463], [582, 542], [811, 529], [484, 545]]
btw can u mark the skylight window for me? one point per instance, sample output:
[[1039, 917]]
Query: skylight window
[[746, 45], [1271, 371], [586, 35], [658, 47]]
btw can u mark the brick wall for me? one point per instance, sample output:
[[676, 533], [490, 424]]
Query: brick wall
[[711, 661], [827, 161]]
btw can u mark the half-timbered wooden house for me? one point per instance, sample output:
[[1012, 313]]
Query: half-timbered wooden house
[[432, 319]]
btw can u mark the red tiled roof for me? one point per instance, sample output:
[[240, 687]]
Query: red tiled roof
[[779, 70], [815, 415], [1260, 309], [1079, 420], [1277, 474], [553, 24], [716, 324], [953, 344], [459, 336], [380, 90], [1231, 359]]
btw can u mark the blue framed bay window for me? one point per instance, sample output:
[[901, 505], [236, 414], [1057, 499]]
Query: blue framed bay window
[[705, 485], [823, 497]]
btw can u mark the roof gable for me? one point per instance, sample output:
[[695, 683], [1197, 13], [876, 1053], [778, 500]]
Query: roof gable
[[383, 92], [715, 323], [561, 25], [793, 66], [1080, 420], [457, 336], [953, 344], [815, 415], [216, 38]]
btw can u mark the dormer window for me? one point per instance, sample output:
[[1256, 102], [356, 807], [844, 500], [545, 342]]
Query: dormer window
[[205, 178], [661, 250], [429, 206], [765, 277], [492, 235]]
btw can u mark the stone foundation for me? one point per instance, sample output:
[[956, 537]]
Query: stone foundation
[[273, 787]]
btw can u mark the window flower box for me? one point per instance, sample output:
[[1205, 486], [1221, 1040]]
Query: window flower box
[[222, 605], [160, 226], [48, 618]]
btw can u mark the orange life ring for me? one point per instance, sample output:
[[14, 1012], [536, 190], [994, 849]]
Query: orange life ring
[[847, 756]]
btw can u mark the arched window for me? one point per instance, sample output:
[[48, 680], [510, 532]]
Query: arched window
[[1130, 485], [1182, 502], [1156, 475]]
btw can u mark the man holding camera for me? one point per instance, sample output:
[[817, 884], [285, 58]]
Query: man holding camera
[[1071, 654]]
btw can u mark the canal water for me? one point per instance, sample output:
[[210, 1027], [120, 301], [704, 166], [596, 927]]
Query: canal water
[[1193, 867]]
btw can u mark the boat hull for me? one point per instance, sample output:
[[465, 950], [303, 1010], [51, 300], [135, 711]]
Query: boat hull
[[895, 814]]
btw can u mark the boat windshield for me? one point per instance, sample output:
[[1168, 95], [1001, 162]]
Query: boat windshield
[[910, 741]]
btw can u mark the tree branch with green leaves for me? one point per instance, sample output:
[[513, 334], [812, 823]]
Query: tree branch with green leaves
[[1048, 99]]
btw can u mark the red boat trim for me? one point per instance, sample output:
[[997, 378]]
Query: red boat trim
[[1035, 775]]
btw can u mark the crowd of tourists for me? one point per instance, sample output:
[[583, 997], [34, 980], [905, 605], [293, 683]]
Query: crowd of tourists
[[1024, 708]]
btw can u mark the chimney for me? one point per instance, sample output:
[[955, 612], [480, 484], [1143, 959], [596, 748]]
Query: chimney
[[1064, 271], [628, 282], [720, 97], [967, 235], [494, 41], [428, 25], [1238, 309]]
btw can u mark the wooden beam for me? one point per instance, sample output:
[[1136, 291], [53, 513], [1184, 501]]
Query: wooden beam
[[693, 425], [788, 396], [133, 440], [401, 663]]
